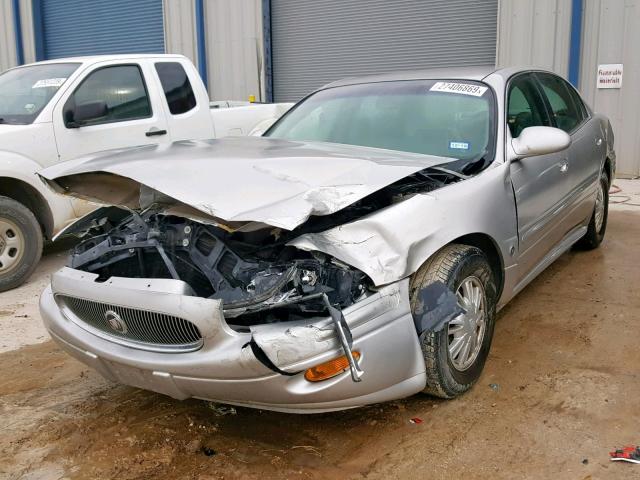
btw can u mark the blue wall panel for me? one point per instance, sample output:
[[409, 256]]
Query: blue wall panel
[[96, 27]]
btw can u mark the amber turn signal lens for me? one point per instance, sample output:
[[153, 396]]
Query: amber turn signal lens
[[329, 369]]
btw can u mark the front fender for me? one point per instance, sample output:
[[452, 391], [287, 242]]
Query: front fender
[[24, 169], [394, 242]]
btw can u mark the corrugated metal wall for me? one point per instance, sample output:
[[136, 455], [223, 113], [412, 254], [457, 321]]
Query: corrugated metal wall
[[611, 34], [234, 49], [28, 40], [180, 28], [77, 27], [537, 32], [534, 32], [314, 43], [7, 37]]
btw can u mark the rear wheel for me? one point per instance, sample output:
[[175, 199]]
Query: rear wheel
[[598, 223], [455, 355], [20, 243]]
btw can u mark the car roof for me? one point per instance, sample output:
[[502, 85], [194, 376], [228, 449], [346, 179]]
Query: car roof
[[450, 73], [462, 73]]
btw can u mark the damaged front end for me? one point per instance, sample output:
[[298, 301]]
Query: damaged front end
[[252, 284], [256, 276], [251, 268]]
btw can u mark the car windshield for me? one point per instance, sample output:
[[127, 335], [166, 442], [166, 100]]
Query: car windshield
[[445, 118], [25, 91]]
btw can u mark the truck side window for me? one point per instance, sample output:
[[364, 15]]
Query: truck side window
[[119, 88], [176, 86], [526, 107]]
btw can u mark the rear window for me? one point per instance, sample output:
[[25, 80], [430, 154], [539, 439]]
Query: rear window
[[446, 118], [176, 86]]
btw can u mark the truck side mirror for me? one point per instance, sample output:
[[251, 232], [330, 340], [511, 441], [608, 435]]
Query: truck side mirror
[[79, 115]]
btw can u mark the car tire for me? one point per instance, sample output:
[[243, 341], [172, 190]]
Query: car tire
[[458, 267], [20, 243], [598, 223]]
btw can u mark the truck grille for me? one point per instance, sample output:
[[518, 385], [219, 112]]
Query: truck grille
[[138, 328]]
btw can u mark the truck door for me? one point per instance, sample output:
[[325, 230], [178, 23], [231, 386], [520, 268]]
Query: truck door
[[185, 102], [112, 107]]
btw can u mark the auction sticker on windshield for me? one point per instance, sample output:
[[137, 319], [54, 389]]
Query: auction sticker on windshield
[[463, 88], [49, 82]]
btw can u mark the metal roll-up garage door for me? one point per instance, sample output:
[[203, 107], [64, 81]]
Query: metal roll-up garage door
[[316, 42], [81, 27]]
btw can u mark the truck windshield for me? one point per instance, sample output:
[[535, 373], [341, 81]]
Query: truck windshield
[[25, 91], [445, 118]]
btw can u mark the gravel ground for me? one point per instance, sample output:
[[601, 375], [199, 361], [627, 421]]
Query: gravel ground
[[559, 391]]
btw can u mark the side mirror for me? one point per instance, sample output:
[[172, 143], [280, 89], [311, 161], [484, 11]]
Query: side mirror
[[84, 113], [534, 141]]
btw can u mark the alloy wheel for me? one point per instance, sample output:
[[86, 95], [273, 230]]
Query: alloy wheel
[[466, 331], [600, 206]]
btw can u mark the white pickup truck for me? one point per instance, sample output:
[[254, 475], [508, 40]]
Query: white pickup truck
[[54, 111]]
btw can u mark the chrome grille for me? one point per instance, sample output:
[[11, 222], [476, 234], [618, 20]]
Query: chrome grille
[[139, 328]]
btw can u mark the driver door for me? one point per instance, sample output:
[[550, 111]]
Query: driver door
[[540, 183], [130, 119]]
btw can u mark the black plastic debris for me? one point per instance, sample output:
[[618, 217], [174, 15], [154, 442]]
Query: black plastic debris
[[209, 452], [436, 306]]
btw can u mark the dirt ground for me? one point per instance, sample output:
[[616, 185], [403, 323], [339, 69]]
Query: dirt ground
[[561, 388]]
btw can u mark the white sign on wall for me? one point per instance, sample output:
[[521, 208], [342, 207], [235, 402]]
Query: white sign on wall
[[610, 75]]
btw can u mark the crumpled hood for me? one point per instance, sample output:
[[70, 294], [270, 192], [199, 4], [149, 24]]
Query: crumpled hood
[[245, 179]]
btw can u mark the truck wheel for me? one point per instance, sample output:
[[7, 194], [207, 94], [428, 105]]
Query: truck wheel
[[20, 243], [598, 223], [454, 355]]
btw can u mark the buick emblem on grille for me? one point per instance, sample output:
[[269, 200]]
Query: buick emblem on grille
[[115, 322]]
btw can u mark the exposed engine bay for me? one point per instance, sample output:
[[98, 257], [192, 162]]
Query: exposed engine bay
[[258, 277]]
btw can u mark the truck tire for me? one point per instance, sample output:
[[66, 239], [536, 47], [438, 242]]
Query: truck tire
[[598, 223], [20, 243], [452, 367]]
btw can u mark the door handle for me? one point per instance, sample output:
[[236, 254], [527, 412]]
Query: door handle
[[599, 142], [564, 166], [154, 132]]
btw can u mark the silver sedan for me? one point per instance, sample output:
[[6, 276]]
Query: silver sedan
[[355, 253]]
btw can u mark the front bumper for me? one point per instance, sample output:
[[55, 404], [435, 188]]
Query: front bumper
[[225, 369]]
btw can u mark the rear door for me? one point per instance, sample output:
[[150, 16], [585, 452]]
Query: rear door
[[587, 148], [130, 118], [540, 183]]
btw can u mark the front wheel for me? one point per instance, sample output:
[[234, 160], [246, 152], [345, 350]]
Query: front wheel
[[455, 354], [20, 243], [598, 223]]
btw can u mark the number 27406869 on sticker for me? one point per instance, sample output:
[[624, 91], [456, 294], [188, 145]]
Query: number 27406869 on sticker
[[462, 88]]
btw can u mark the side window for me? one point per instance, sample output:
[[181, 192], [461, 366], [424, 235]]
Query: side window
[[118, 91], [566, 112], [176, 86], [525, 106], [577, 100]]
